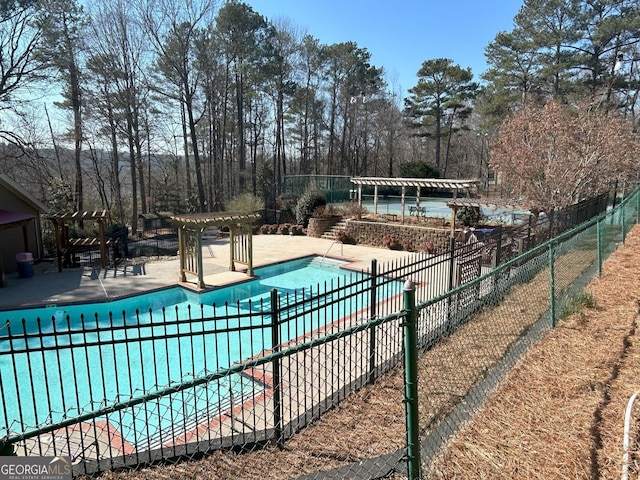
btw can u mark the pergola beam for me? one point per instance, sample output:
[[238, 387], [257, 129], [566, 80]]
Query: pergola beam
[[449, 184]]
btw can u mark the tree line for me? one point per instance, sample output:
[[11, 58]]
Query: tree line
[[184, 105]]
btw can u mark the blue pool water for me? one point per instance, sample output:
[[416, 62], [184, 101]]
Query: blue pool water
[[78, 358]]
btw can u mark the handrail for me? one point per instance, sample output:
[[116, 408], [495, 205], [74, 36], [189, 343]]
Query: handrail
[[332, 244]]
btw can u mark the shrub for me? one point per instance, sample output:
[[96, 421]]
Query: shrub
[[353, 210], [307, 204], [408, 245], [117, 230], [391, 242], [245, 203], [284, 229], [428, 247], [342, 236], [86, 232], [468, 216], [286, 210], [297, 230]]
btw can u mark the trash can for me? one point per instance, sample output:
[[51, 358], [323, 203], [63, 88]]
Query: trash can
[[25, 264]]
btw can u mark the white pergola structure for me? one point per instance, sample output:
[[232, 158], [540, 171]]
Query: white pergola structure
[[443, 184]]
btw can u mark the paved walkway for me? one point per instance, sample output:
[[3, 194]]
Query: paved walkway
[[83, 284]]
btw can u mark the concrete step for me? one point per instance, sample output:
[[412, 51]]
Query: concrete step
[[330, 233]]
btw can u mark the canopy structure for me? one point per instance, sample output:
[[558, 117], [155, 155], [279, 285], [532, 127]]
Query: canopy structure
[[63, 243], [452, 185], [191, 228], [14, 220]]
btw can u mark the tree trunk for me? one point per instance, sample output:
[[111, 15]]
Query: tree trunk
[[196, 155], [242, 159], [185, 142]]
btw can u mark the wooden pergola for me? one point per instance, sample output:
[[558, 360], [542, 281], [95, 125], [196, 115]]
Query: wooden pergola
[[63, 243], [458, 203], [454, 186], [191, 228]]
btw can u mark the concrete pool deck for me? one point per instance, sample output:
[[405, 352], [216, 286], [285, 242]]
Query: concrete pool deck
[[138, 275]]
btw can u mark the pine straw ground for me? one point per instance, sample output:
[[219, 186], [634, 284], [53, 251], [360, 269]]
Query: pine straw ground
[[558, 414]]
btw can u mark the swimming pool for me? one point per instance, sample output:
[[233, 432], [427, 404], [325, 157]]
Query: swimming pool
[[63, 361], [436, 207]]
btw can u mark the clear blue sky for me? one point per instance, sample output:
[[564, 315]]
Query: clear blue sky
[[401, 34]]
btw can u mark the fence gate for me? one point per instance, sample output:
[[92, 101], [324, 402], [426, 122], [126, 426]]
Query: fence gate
[[468, 268]]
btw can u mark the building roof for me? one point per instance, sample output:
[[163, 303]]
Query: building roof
[[21, 193]]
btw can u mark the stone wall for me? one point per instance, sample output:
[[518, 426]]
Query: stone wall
[[372, 233]]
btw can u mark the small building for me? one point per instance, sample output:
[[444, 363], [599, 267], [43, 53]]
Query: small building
[[20, 224], [156, 220]]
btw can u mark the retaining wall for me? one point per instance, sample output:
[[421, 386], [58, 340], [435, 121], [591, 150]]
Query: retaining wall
[[372, 233]]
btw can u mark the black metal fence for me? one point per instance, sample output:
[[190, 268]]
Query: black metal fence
[[136, 387], [148, 242]]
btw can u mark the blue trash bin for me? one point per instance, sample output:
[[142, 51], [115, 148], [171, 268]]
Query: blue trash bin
[[25, 264]]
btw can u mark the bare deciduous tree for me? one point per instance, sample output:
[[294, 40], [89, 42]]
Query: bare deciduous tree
[[554, 156]]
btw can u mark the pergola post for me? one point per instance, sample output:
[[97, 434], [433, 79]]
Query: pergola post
[[250, 253], [103, 246], [198, 233], [232, 247], [403, 201], [375, 199], [454, 210], [182, 253]]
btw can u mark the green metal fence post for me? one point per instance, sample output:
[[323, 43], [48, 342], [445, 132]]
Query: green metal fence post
[[411, 381], [275, 342], [552, 287], [452, 269], [622, 207], [599, 244], [373, 300]]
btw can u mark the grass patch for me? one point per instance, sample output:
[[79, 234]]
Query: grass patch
[[577, 303]]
